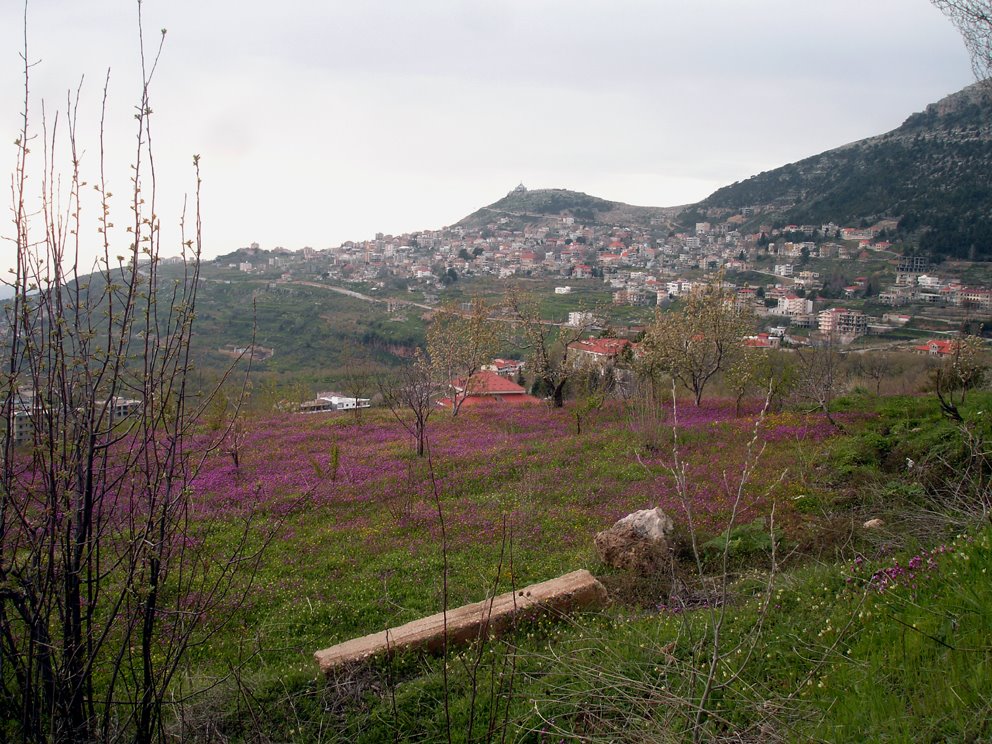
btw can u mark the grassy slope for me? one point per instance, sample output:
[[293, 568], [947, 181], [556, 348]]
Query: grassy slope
[[361, 552], [309, 328]]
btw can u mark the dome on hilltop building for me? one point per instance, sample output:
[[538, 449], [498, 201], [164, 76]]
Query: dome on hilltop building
[[520, 189]]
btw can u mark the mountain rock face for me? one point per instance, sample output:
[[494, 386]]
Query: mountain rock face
[[933, 175], [522, 206]]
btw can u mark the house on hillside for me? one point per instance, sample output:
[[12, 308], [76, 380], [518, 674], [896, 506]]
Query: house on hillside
[[938, 347], [508, 368], [763, 341], [484, 388], [598, 350]]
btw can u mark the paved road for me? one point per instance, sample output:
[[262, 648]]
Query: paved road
[[777, 276], [359, 295], [384, 300]]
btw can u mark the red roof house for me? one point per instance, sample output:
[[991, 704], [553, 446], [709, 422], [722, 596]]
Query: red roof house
[[599, 348], [938, 347], [486, 388]]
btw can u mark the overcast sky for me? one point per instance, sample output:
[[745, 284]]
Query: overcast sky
[[320, 122]]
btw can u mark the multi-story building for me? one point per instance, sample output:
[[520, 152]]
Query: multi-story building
[[28, 408], [976, 297], [913, 264], [842, 322], [578, 318], [791, 305]]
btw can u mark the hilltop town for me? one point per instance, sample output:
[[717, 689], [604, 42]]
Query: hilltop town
[[803, 281]]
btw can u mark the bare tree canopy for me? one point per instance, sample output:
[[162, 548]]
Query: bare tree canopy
[[546, 344], [973, 18], [459, 342], [105, 582], [414, 389], [695, 342]]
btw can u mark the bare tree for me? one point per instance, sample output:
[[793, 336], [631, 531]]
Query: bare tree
[[459, 343], [694, 343], [593, 384], [821, 375], [102, 589], [759, 372], [876, 366], [973, 18], [547, 345], [964, 369], [359, 379], [413, 391]]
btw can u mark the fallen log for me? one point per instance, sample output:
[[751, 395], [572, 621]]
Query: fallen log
[[578, 590]]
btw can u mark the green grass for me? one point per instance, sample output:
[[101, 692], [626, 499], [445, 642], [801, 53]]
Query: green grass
[[829, 660], [823, 656], [915, 665]]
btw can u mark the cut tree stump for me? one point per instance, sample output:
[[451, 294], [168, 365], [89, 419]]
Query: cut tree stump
[[578, 590]]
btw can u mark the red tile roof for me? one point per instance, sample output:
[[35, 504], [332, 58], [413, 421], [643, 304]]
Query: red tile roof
[[488, 383], [938, 347], [600, 346], [473, 401]]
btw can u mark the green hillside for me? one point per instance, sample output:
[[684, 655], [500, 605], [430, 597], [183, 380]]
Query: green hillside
[[931, 174], [808, 626], [521, 207]]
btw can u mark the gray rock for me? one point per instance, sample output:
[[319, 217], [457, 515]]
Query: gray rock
[[651, 524], [638, 543]]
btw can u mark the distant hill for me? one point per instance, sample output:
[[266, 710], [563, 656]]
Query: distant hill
[[522, 206], [933, 174]]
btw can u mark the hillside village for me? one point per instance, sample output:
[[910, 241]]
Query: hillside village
[[568, 469], [801, 280]]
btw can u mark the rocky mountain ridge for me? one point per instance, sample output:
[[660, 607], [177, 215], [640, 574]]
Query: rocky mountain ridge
[[931, 174]]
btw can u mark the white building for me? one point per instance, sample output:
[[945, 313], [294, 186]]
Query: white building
[[791, 305], [345, 403], [333, 402], [580, 318]]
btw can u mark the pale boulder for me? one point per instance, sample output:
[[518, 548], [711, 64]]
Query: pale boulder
[[638, 543]]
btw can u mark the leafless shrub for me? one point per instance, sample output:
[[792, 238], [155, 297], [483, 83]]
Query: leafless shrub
[[973, 18], [412, 398], [106, 577]]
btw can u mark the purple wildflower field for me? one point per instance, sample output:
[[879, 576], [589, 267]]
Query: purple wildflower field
[[521, 461], [358, 535]]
